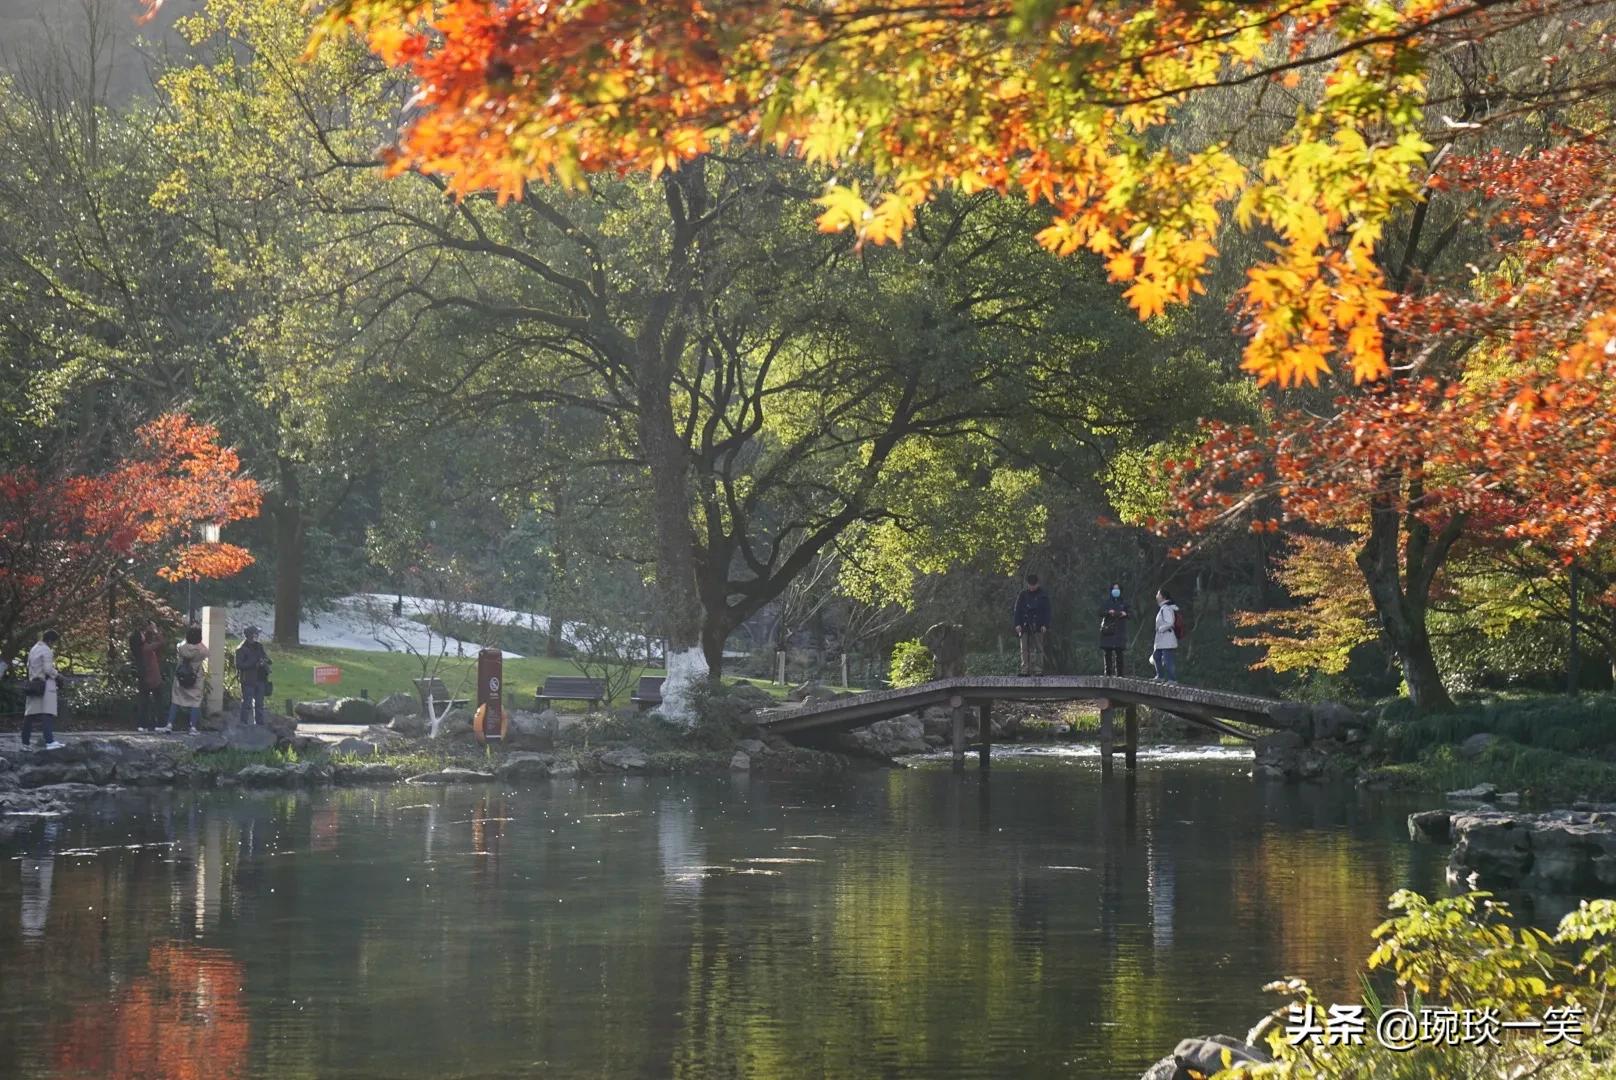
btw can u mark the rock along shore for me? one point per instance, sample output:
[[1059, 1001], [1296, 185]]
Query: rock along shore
[[397, 749], [1557, 852]]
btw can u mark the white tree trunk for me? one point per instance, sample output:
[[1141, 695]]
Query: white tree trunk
[[687, 668]]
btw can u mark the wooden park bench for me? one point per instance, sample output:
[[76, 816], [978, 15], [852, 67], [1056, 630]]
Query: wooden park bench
[[649, 693], [570, 688], [435, 699]]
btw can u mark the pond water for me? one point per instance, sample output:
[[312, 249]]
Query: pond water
[[906, 923]]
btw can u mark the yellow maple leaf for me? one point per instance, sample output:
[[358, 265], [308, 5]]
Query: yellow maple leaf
[[1120, 266], [1148, 297]]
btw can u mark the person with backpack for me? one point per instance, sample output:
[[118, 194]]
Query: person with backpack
[[41, 691], [145, 650], [189, 679], [1031, 619], [1169, 632], [1114, 616], [252, 664]]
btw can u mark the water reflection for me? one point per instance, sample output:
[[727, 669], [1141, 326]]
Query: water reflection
[[682, 855], [36, 893], [1160, 885], [184, 1017], [913, 923]]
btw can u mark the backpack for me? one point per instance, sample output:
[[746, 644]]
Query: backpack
[[185, 675], [1178, 624]]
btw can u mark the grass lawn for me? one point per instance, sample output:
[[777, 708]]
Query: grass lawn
[[382, 673]]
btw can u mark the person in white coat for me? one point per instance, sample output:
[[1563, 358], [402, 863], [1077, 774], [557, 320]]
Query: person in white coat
[[42, 706], [1165, 650]]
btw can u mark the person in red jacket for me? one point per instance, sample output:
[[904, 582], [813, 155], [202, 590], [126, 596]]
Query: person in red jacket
[[148, 659]]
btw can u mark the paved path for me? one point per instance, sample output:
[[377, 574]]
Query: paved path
[[331, 733]]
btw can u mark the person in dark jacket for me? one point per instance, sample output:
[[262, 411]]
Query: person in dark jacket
[[1114, 616], [1031, 619], [252, 664]]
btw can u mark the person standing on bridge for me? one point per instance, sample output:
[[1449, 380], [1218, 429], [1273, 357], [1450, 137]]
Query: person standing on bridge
[[1114, 616], [1169, 629], [1031, 618]]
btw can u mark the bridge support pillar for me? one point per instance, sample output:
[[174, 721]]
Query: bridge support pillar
[[984, 723], [1108, 719], [1130, 738], [956, 708]]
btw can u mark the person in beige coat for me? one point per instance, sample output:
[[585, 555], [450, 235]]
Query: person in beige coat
[[43, 705], [190, 679]]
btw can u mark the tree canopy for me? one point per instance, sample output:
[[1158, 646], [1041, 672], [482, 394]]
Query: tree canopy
[[1071, 104]]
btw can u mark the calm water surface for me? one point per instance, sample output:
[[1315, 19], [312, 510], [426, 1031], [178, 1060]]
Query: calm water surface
[[909, 923]]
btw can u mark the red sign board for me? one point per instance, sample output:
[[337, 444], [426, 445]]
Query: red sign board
[[327, 673]]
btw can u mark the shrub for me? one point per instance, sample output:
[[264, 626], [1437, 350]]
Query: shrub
[[992, 663], [99, 698], [1463, 954], [722, 716], [1569, 725], [911, 664]]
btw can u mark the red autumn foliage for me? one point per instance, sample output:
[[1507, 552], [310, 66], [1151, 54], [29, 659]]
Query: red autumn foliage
[[1497, 425], [1505, 411], [64, 537], [1552, 222]]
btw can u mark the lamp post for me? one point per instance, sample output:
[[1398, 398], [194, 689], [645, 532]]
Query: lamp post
[[209, 534]]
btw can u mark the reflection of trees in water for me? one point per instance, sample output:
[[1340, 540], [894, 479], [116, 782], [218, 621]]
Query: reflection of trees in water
[[183, 1019], [1062, 926], [1305, 887]]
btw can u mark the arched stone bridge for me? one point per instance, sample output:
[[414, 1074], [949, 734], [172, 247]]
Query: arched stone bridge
[[1213, 709]]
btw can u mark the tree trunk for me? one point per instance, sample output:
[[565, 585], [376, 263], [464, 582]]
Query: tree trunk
[[289, 534], [1413, 645], [556, 587], [558, 572], [713, 636], [1402, 612], [677, 597]]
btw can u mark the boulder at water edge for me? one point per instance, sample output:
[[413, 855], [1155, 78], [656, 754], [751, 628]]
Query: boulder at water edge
[[1431, 825], [410, 725], [531, 729], [364, 772], [1561, 852], [629, 759], [353, 747], [1194, 1058], [262, 776], [527, 766], [456, 724], [251, 738], [886, 739]]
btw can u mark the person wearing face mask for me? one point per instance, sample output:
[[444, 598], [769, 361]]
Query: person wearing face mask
[[1114, 616]]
